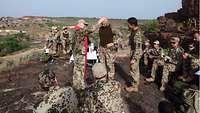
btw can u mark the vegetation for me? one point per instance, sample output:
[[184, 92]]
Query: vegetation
[[12, 43], [150, 26]]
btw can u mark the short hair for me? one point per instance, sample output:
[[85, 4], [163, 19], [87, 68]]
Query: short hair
[[165, 107], [132, 21]]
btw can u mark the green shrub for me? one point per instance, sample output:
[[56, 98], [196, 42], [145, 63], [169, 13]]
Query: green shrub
[[12, 43], [150, 26]]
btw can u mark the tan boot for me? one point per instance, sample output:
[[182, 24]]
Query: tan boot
[[162, 88], [131, 89], [150, 79]]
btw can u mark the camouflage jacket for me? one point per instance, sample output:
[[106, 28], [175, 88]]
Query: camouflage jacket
[[104, 98], [156, 53], [59, 100], [176, 55], [136, 40]]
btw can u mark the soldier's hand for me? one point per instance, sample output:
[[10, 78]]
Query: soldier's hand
[[132, 61], [110, 45], [185, 55]]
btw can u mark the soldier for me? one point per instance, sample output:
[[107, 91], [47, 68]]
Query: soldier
[[172, 62], [78, 52], [59, 100], [66, 41], [107, 49], [49, 40], [56, 40], [135, 42], [104, 96], [191, 63], [47, 79], [157, 55]]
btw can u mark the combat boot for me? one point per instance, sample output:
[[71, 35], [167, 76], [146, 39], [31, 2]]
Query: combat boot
[[150, 79], [162, 88], [131, 89]]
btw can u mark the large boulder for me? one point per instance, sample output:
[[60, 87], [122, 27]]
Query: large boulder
[[104, 97], [61, 100]]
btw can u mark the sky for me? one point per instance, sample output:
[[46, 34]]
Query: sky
[[141, 9]]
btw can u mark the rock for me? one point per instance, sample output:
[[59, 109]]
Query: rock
[[61, 100]]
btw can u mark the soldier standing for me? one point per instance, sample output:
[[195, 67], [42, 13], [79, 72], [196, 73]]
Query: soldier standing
[[80, 30], [66, 41], [172, 62], [135, 42], [49, 40], [106, 49], [56, 40], [157, 54]]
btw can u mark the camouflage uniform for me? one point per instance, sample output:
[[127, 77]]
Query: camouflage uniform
[[136, 42], [104, 98], [66, 41], [79, 59], [171, 66], [49, 41], [157, 56], [107, 54], [192, 98], [56, 42], [59, 100], [47, 79]]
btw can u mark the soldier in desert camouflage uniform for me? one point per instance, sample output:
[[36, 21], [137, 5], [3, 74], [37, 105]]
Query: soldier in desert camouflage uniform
[[56, 40], [57, 100], [47, 79], [49, 40], [79, 32], [172, 62], [157, 54], [66, 41], [104, 96], [107, 48], [136, 41]]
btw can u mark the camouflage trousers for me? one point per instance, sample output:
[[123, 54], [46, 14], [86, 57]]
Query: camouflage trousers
[[78, 72], [66, 47], [167, 69], [192, 98], [156, 64], [107, 57], [135, 72]]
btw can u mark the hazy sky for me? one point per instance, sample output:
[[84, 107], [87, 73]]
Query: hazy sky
[[142, 9]]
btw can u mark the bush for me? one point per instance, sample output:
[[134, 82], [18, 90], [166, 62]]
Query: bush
[[12, 43], [150, 26]]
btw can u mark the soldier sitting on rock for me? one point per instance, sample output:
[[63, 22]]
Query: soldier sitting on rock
[[172, 61], [47, 79], [156, 54], [104, 96]]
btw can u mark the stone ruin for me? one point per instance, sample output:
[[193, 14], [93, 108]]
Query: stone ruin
[[181, 23]]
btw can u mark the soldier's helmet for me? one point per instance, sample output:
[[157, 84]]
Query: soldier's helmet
[[99, 70], [47, 79]]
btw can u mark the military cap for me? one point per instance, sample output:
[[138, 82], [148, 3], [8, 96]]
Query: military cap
[[82, 21], [156, 42], [175, 39]]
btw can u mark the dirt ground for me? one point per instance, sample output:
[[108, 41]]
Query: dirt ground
[[20, 92]]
